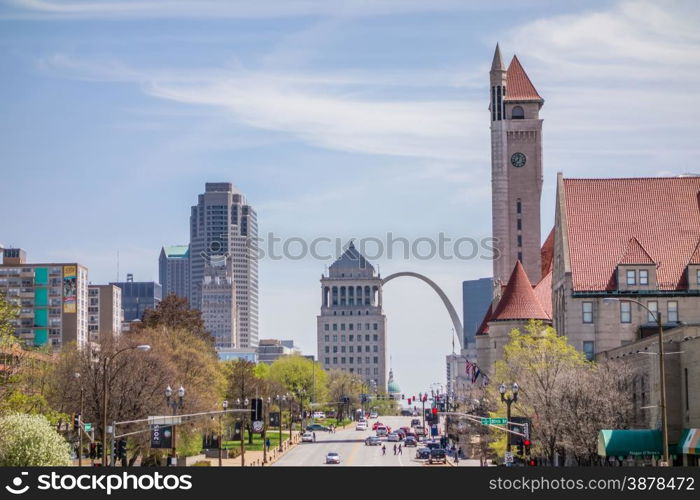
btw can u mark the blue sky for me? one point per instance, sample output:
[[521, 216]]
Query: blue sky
[[337, 119]]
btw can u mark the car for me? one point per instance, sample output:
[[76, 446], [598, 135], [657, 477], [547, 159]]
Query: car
[[332, 458], [319, 414], [432, 445], [420, 431], [402, 434], [410, 441], [437, 455], [423, 453], [374, 414], [412, 434], [382, 431], [376, 424], [394, 436], [373, 441], [415, 422], [307, 437], [317, 427], [361, 426]]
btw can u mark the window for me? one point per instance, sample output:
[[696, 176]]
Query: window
[[376, 338], [359, 326], [631, 277], [519, 206], [351, 325], [328, 361], [625, 312], [352, 337], [359, 360], [698, 276], [588, 350], [367, 361], [335, 348], [376, 348], [375, 326], [327, 349], [335, 361], [335, 327], [342, 360], [520, 240], [643, 277], [520, 224], [335, 338], [325, 327], [672, 311], [518, 113], [366, 348], [342, 326], [352, 348], [587, 309], [342, 348], [376, 359], [520, 256], [342, 338], [367, 336], [653, 306], [351, 359]]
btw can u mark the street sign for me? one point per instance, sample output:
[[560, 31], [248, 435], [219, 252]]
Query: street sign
[[509, 457], [494, 421], [174, 420], [88, 427]]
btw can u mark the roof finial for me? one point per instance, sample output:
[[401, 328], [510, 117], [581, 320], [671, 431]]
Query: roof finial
[[497, 64]]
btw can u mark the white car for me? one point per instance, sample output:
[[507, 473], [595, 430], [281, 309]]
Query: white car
[[381, 431], [361, 426], [374, 414], [394, 436], [319, 414], [307, 437], [332, 458]]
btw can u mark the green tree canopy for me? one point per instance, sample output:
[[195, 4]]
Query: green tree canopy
[[303, 378], [30, 441]]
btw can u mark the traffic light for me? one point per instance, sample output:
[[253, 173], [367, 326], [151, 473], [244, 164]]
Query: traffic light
[[93, 450], [121, 449], [409, 401], [76, 421], [402, 396], [521, 451], [527, 443], [99, 450], [434, 410], [532, 462]]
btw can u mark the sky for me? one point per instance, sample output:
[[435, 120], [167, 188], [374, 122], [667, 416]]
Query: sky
[[337, 119]]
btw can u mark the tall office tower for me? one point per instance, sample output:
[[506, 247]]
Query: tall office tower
[[174, 270], [137, 296], [516, 169], [219, 305], [223, 225], [351, 329], [52, 299], [105, 312]]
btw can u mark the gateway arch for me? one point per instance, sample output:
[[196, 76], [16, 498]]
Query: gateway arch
[[456, 322]]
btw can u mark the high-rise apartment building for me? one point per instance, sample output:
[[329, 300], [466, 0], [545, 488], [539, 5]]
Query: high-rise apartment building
[[174, 270], [218, 305], [105, 312], [52, 299], [351, 329], [223, 225], [137, 296]]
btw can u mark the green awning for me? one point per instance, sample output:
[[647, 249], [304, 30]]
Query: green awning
[[626, 442], [689, 443]]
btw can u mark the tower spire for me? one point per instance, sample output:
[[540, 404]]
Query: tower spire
[[497, 64]]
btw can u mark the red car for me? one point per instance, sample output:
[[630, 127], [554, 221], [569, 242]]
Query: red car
[[376, 424]]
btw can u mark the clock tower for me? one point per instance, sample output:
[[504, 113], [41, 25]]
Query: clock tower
[[516, 169]]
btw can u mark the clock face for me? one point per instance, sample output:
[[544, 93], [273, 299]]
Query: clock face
[[518, 160]]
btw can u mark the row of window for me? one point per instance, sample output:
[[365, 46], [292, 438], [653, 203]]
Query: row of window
[[350, 326], [351, 348], [626, 311], [351, 338], [632, 277], [351, 359]]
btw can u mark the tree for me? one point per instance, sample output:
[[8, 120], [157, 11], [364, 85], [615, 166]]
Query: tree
[[30, 441], [303, 378], [174, 312], [343, 385]]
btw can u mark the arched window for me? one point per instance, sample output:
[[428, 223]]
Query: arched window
[[518, 113]]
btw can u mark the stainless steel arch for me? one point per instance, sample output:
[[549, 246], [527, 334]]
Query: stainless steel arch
[[456, 322]]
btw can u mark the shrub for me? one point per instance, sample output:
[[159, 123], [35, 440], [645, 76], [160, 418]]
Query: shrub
[[30, 440]]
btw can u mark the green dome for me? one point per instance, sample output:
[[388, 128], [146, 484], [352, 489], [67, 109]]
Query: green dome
[[394, 388]]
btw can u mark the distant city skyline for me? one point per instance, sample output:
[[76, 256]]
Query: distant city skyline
[[338, 119]]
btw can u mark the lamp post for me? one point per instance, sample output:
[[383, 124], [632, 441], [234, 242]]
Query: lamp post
[[290, 417], [662, 372], [243, 419], [175, 404], [508, 400], [266, 418], [224, 405], [280, 400], [80, 422], [106, 365]]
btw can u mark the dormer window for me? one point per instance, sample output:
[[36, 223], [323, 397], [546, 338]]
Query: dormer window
[[643, 277], [697, 276], [631, 277]]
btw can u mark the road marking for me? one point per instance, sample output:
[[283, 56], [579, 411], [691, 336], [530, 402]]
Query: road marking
[[353, 452]]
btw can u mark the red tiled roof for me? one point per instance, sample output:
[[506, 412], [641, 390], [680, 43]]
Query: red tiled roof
[[663, 214], [547, 254], [484, 327], [519, 300], [543, 292], [695, 258], [518, 84], [635, 254]]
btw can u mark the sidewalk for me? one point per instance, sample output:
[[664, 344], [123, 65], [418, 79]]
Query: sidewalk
[[255, 458]]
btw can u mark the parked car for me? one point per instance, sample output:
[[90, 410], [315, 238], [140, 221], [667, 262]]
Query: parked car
[[394, 436], [423, 453], [410, 441], [317, 427], [319, 414], [374, 414], [373, 441], [332, 458], [432, 445], [437, 455], [307, 437], [361, 426]]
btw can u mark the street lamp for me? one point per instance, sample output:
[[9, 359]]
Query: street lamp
[[224, 405], [508, 400], [280, 400], [243, 422], [80, 422], [106, 365], [266, 413], [175, 404], [662, 372]]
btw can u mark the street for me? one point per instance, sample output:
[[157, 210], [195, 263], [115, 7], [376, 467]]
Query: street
[[350, 444]]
